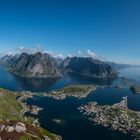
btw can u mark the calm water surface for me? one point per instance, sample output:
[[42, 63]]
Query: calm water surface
[[75, 126]]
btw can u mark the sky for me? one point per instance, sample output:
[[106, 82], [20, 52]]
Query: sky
[[107, 29]]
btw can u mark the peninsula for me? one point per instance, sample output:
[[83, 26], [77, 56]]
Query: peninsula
[[118, 116], [78, 91], [135, 89]]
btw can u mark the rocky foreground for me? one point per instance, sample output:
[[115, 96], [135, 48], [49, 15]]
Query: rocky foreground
[[14, 125], [118, 117], [15, 130]]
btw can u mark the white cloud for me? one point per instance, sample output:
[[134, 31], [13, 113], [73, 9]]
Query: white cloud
[[60, 56], [53, 54], [69, 55], [79, 53], [22, 49], [37, 48], [87, 53], [10, 53], [50, 52], [92, 54]]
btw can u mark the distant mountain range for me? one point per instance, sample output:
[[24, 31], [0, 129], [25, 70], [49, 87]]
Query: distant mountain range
[[118, 66], [44, 65]]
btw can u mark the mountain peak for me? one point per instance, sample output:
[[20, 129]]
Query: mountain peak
[[44, 65]]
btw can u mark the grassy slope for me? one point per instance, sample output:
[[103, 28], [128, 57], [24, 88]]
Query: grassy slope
[[9, 107], [39, 132], [75, 88]]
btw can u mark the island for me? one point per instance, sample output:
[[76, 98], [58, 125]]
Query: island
[[117, 117], [135, 89], [14, 124], [78, 91], [58, 121]]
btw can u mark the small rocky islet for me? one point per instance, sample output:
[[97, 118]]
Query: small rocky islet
[[135, 89], [58, 121]]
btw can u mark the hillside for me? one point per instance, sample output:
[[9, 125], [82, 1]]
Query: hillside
[[9, 107], [11, 124]]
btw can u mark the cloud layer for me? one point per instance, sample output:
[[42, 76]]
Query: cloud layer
[[39, 48], [87, 53]]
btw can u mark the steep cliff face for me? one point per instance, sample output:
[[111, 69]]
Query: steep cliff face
[[37, 65], [88, 67], [9, 59], [44, 65]]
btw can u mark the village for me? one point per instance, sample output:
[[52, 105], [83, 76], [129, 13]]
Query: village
[[117, 117]]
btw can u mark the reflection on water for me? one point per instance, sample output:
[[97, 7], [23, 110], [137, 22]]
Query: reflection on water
[[16, 83], [36, 84], [77, 127]]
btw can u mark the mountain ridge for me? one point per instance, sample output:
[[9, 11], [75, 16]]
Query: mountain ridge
[[44, 65]]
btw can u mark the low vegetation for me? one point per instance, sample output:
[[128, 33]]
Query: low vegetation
[[9, 107], [78, 91], [11, 116]]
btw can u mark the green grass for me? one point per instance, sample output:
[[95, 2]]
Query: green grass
[[9, 107], [26, 137], [41, 132], [75, 88], [45, 132]]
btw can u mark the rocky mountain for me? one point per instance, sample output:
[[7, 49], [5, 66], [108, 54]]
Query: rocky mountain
[[44, 65], [88, 67], [33, 65], [9, 59]]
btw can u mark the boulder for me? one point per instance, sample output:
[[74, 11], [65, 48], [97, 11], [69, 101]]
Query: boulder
[[2, 127], [9, 129], [20, 127], [46, 138]]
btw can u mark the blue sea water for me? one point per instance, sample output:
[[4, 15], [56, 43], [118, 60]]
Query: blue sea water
[[75, 126]]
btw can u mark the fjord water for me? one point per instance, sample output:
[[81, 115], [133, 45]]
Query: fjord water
[[16, 83], [75, 126]]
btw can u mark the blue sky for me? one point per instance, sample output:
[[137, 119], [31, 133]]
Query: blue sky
[[109, 28]]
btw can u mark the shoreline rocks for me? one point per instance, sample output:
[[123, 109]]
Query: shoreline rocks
[[135, 89]]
